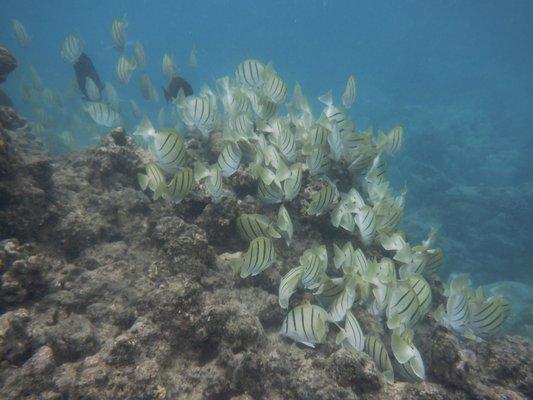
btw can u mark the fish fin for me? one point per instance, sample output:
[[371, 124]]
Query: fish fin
[[145, 128], [327, 98], [341, 336], [159, 190], [143, 181], [273, 232]]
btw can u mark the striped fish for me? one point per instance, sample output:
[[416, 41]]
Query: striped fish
[[275, 89], [180, 185], [317, 161], [269, 194], [93, 93], [147, 88], [292, 185], [249, 73], [317, 136], [365, 219], [342, 304], [457, 311], [315, 262], [229, 159], [213, 184], [336, 147], [252, 226], [260, 256], [262, 106], [329, 290], [284, 224], [392, 141], [288, 285], [118, 34], [71, 48], [233, 99], [354, 141], [361, 159], [103, 114], [487, 316], [111, 96], [21, 33], [375, 348], [153, 179], [285, 141], [139, 54], [403, 308], [323, 200], [388, 217], [125, 68], [410, 363], [168, 66], [423, 293], [377, 173], [349, 94], [243, 125], [198, 112], [351, 334], [306, 324], [434, 260]]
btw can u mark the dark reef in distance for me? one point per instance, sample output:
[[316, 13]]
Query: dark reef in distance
[[106, 294]]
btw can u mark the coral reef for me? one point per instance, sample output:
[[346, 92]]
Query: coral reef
[[7, 63], [107, 294]]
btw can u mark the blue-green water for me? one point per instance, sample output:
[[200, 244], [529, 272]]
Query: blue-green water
[[456, 75]]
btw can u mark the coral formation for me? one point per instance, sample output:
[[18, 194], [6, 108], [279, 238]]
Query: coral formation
[[112, 295]]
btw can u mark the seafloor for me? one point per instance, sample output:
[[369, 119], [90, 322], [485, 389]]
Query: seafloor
[[106, 294]]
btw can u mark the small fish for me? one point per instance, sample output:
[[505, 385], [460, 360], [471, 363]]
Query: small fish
[[242, 125], [111, 95], [433, 262], [317, 161], [423, 292], [118, 34], [336, 147], [392, 141], [352, 334], [403, 308], [135, 110], [365, 219], [147, 89], [260, 256], [487, 316], [229, 159], [329, 290], [315, 263], [198, 112], [180, 185], [249, 73], [292, 185], [377, 174], [349, 93], [318, 136], [284, 224], [270, 194], [21, 33], [285, 141], [263, 107], [103, 114], [139, 54], [342, 304], [154, 179], [288, 285], [251, 226], [71, 48], [93, 92], [125, 68], [213, 184], [323, 200], [411, 365], [375, 348], [233, 99], [176, 85], [168, 66], [168, 146], [84, 68], [275, 89], [193, 62], [306, 324]]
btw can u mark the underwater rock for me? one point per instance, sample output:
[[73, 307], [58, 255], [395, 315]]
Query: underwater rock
[[7, 63], [14, 336], [355, 370]]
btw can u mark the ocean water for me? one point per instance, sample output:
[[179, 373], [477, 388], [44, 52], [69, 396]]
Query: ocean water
[[456, 75]]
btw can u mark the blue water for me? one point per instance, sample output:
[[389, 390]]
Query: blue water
[[457, 75]]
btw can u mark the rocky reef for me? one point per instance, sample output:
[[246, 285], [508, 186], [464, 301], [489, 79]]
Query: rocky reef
[[106, 294]]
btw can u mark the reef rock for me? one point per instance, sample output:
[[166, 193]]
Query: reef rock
[[7, 63], [106, 294]]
